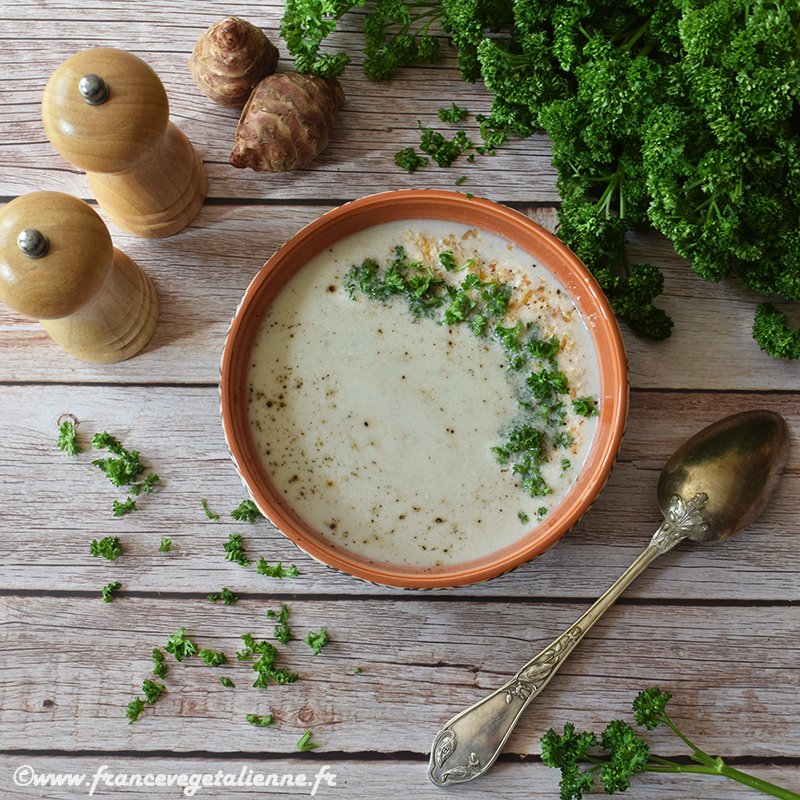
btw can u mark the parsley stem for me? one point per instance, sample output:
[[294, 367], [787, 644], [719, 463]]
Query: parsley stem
[[719, 767]]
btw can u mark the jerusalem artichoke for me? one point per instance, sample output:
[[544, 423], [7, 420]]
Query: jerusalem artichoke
[[230, 58], [287, 122]]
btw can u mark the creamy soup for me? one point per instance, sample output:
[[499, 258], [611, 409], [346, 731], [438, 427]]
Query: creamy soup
[[398, 432]]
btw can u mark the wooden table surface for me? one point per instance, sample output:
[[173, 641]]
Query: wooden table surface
[[717, 626]]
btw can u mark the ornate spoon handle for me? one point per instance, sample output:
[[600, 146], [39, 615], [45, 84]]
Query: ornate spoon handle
[[471, 741]]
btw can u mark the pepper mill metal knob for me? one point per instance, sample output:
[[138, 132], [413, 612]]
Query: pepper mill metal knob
[[106, 112], [57, 264]]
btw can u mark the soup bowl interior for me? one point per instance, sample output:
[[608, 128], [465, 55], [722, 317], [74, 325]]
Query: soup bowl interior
[[446, 206]]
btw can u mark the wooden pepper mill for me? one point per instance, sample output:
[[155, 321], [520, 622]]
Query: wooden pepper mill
[[106, 111], [57, 264]]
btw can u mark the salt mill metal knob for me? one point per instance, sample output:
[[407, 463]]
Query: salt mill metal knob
[[58, 265], [106, 112]]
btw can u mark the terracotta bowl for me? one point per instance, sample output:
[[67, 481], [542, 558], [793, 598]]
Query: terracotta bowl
[[472, 211]]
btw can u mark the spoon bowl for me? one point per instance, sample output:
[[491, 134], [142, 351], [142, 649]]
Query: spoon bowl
[[736, 463], [714, 485]]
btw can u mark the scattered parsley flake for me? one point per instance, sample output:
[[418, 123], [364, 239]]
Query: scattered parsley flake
[[227, 682], [165, 546], [246, 511], [565, 464], [122, 470], [442, 150], [234, 550], [260, 722], [67, 437], [453, 114], [134, 708], [226, 595], [523, 517], [461, 180], [107, 592], [120, 509], [212, 658], [282, 632], [408, 160], [152, 690], [357, 670], [305, 744], [265, 655], [316, 640], [277, 570], [541, 511], [209, 513], [107, 547], [160, 668], [180, 646]]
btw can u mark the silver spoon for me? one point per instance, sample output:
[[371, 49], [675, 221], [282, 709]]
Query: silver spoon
[[714, 485]]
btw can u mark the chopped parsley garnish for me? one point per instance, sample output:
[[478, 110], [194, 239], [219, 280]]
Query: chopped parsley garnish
[[523, 517], [152, 690], [260, 722], [357, 670], [234, 550], [409, 160], [276, 570], [585, 406], [134, 708], [282, 632], [120, 509], [461, 180], [180, 646], [565, 464], [541, 511], [246, 511], [265, 655], [316, 640], [165, 545], [67, 438], [227, 682], [212, 658], [159, 664], [209, 513], [107, 547], [305, 744], [107, 592], [226, 595], [543, 388], [448, 261]]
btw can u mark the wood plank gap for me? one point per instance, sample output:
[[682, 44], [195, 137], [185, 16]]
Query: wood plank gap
[[412, 597], [338, 756]]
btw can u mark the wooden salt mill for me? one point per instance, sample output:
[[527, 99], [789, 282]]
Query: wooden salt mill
[[57, 264], [106, 111]]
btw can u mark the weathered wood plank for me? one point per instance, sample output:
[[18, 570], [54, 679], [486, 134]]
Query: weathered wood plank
[[354, 779], [54, 505], [71, 666], [201, 274], [377, 121]]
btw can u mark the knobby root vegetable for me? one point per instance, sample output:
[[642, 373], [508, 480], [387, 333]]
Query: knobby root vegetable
[[287, 122], [230, 58]]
